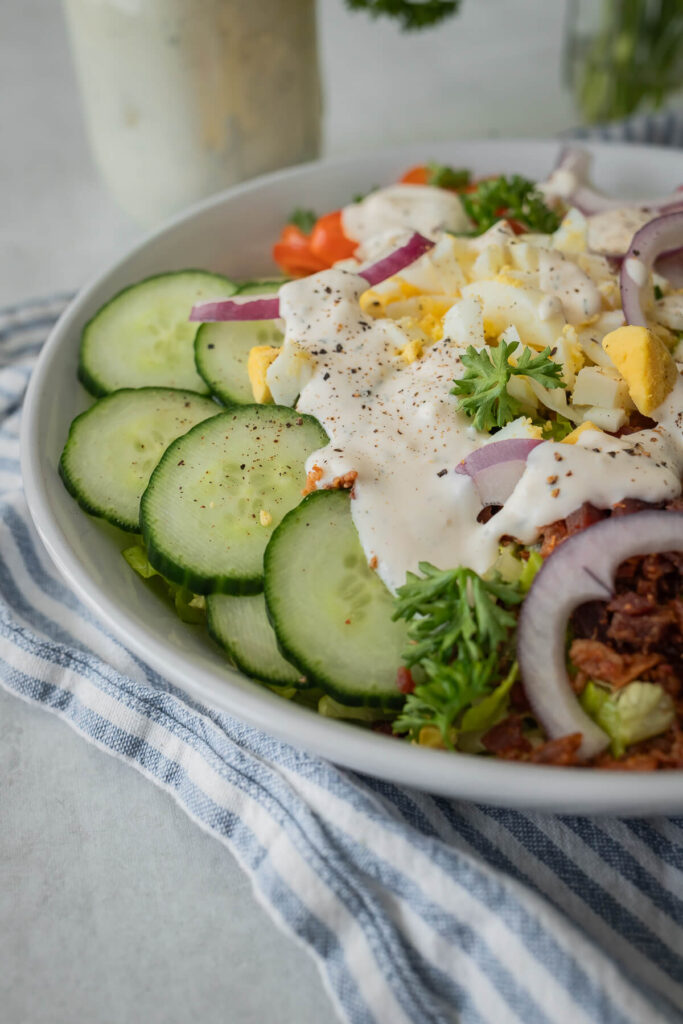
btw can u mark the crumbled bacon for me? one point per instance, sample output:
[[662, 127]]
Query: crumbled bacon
[[506, 739], [599, 661], [404, 680], [312, 478], [561, 751], [345, 482]]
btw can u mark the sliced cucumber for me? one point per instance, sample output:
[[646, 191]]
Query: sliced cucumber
[[265, 287], [240, 626], [143, 338], [221, 352], [331, 613], [219, 492], [113, 447]]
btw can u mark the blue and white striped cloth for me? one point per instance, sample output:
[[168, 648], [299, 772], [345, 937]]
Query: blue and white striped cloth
[[415, 908]]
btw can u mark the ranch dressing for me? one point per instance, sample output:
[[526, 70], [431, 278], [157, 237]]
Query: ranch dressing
[[394, 424], [404, 207], [186, 97]]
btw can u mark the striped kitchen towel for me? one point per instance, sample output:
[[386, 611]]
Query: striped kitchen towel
[[415, 908]]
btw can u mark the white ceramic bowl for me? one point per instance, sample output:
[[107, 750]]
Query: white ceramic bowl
[[232, 233]]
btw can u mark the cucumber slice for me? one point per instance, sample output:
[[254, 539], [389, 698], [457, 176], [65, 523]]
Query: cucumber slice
[[221, 351], [113, 447], [201, 513], [261, 287], [331, 613], [240, 626], [143, 338]]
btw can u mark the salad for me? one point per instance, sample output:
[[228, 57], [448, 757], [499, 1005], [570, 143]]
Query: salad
[[429, 480]]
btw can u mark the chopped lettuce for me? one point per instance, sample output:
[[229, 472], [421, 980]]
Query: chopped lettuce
[[491, 709], [637, 712], [331, 708], [189, 607]]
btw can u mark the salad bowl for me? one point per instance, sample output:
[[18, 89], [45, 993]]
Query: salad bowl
[[232, 234]]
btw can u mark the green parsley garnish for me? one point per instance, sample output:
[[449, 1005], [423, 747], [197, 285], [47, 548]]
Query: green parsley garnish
[[557, 429], [482, 390], [513, 198], [410, 14], [461, 629], [659, 294], [443, 176], [304, 220]]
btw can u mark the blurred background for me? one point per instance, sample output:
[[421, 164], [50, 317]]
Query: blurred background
[[488, 68]]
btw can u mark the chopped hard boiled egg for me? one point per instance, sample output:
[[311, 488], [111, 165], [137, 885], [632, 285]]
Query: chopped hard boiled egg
[[259, 359], [645, 363]]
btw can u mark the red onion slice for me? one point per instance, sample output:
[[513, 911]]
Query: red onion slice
[[269, 309], [581, 569], [397, 260], [232, 309], [496, 467], [659, 236], [588, 200]]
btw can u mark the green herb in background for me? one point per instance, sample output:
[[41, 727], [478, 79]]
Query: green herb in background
[[512, 198], [461, 629], [411, 14], [302, 219], [635, 59], [482, 390], [443, 176]]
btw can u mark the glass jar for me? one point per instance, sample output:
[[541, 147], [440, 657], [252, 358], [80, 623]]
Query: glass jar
[[185, 97]]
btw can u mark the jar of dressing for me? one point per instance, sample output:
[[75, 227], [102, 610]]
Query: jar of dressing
[[183, 98]]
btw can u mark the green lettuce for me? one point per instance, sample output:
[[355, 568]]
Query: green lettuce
[[189, 607], [635, 713]]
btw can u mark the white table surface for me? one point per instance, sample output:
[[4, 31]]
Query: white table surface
[[114, 907]]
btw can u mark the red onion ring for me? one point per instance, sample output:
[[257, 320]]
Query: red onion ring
[[661, 235], [232, 309], [416, 246], [269, 309], [496, 467], [588, 200], [581, 569]]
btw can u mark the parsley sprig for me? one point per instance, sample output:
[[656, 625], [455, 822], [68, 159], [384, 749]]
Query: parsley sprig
[[443, 176], [303, 219], [512, 198], [461, 631], [411, 14], [482, 390]]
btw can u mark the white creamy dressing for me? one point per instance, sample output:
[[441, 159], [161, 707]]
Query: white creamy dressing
[[397, 426], [392, 423], [599, 468], [562, 278], [420, 208], [611, 232]]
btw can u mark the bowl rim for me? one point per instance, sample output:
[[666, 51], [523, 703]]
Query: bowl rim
[[472, 778]]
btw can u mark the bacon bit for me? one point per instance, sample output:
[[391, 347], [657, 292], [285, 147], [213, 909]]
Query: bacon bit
[[373, 563], [345, 482], [561, 751], [384, 728], [314, 475], [599, 661], [487, 512], [404, 680], [506, 739]]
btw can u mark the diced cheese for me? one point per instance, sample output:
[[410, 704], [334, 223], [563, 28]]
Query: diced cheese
[[602, 386], [605, 419], [645, 363], [259, 359]]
